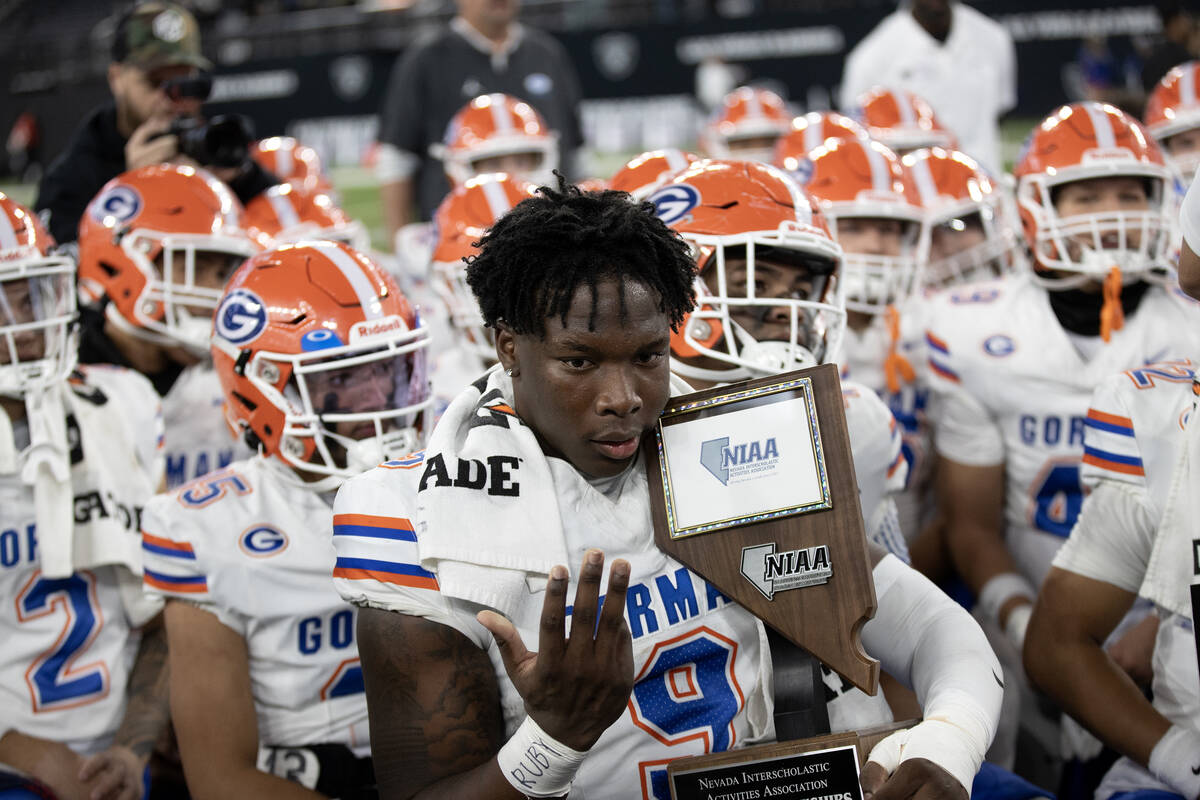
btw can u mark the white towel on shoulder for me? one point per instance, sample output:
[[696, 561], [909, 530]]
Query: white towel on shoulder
[[494, 513], [110, 471]]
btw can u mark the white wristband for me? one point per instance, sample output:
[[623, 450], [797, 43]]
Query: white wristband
[[935, 740], [1174, 759], [1002, 588], [537, 764], [1017, 624]]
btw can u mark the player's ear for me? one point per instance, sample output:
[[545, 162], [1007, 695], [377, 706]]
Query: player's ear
[[506, 346]]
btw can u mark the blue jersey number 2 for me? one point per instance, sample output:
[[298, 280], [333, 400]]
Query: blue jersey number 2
[[54, 680], [686, 691]]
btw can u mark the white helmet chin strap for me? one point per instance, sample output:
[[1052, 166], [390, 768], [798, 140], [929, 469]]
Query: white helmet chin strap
[[361, 455], [365, 454]]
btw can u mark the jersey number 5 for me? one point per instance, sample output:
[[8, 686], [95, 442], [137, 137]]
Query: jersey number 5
[[54, 681]]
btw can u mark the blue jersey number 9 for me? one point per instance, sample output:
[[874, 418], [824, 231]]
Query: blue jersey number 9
[[687, 691]]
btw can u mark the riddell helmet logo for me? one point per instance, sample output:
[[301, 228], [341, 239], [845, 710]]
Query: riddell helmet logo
[[1107, 154], [369, 329]]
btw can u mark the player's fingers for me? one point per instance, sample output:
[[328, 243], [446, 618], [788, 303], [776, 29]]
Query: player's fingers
[[512, 650], [107, 784], [871, 778], [903, 783], [612, 613], [131, 789], [941, 790], [587, 597], [552, 636], [92, 766]]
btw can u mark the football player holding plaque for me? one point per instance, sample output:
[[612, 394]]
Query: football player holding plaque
[[505, 656]]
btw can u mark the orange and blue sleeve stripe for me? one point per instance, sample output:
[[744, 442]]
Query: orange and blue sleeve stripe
[[374, 527], [896, 464], [939, 350], [190, 584], [1109, 423], [394, 572], [167, 547], [1113, 462]]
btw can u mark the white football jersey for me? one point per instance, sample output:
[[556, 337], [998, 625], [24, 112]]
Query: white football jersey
[[862, 360], [198, 440], [879, 464], [1135, 429], [252, 544], [702, 664], [1014, 389], [69, 643]]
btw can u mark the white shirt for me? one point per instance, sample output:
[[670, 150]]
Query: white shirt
[[253, 546], [69, 643], [1014, 390], [970, 79], [198, 439], [1135, 427]]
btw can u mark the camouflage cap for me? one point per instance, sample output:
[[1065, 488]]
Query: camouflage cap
[[155, 35]]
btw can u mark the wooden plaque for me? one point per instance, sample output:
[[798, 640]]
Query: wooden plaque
[[752, 487], [798, 769]]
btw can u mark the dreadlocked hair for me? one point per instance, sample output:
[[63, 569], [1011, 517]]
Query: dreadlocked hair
[[532, 261]]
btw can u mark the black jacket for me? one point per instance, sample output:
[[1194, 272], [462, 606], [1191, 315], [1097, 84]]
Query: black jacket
[[95, 156], [95, 347]]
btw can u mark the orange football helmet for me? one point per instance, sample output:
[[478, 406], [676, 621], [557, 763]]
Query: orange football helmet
[[752, 227], [322, 360], [459, 222], [37, 304], [1174, 108], [864, 179], [644, 173], [807, 133], [291, 212], [1079, 142], [493, 126], [901, 120], [291, 162], [746, 125], [592, 185], [157, 244], [963, 204]]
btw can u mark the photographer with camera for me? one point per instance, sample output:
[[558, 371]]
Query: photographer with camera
[[158, 79]]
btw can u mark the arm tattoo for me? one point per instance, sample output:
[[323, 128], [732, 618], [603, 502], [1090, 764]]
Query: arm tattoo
[[434, 701], [146, 704]]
